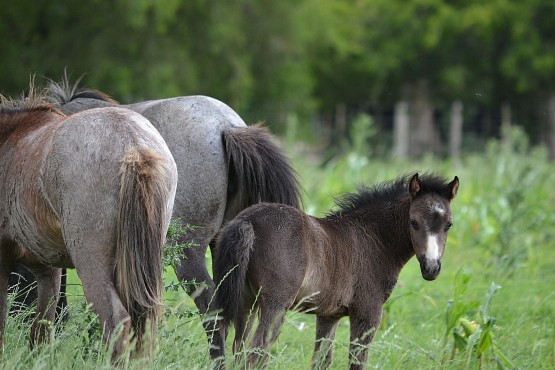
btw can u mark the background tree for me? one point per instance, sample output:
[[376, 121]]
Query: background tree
[[324, 61]]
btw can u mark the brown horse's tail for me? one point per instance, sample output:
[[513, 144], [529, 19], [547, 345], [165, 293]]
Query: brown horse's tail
[[141, 229], [259, 171], [230, 267]]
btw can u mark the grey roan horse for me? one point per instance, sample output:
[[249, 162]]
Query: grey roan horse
[[272, 258], [92, 191], [224, 166]]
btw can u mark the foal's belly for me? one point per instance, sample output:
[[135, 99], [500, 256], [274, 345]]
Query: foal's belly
[[321, 306], [322, 299]]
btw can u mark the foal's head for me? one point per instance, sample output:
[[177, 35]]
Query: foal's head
[[430, 220]]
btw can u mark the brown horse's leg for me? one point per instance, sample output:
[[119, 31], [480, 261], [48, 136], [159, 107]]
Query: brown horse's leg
[[48, 286], [325, 333], [23, 283], [4, 276], [6, 266], [99, 289], [364, 323]]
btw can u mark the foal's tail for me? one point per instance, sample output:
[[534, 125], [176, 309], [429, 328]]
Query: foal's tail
[[142, 224], [230, 267], [259, 171]]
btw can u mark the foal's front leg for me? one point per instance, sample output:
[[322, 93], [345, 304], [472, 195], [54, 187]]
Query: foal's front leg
[[48, 286], [325, 333], [364, 323]]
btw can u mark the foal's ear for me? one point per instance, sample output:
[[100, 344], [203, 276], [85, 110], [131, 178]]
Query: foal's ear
[[453, 188], [414, 185]]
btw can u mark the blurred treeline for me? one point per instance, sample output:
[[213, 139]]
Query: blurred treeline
[[426, 64]]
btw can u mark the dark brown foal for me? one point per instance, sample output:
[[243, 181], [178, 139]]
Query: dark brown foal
[[274, 258]]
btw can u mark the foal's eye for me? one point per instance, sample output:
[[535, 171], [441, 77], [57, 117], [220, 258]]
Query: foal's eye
[[414, 224], [449, 225]]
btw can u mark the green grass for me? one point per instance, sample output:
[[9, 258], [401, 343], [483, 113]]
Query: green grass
[[503, 234]]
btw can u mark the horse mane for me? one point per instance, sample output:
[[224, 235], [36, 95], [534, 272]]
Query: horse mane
[[388, 192], [32, 100], [28, 111], [63, 92]]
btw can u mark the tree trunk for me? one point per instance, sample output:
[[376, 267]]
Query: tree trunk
[[505, 121], [551, 125], [456, 130], [401, 130], [424, 137], [340, 124]]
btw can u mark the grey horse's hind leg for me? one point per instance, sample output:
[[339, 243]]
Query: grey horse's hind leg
[[193, 273], [325, 333], [48, 286]]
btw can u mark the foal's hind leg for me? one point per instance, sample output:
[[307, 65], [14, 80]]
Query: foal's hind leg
[[325, 333], [270, 321], [244, 322], [48, 286]]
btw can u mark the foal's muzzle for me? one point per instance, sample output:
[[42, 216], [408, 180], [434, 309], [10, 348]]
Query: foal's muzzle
[[430, 269]]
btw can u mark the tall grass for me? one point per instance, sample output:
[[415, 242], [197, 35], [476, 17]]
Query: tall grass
[[493, 306]]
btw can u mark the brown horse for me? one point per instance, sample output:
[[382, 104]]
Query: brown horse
[[272, 258], [93, 191]]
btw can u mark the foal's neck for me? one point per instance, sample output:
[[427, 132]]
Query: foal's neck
[[389, 224]]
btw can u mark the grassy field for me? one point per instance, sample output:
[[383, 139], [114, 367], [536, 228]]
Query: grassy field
[[493, 306]]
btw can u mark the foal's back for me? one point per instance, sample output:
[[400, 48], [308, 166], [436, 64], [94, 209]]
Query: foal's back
[[286, 248], [310, 258]]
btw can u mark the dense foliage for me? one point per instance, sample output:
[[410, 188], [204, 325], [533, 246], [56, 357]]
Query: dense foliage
[[269, 60]]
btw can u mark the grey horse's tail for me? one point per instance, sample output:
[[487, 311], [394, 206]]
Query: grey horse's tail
[[230, 267], [259, 171], [140, 237]]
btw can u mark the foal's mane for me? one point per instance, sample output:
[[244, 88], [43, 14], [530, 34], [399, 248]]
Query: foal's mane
[[388, 192], [60, 93]]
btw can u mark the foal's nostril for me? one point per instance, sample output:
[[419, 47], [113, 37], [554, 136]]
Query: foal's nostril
[[429, 269]]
